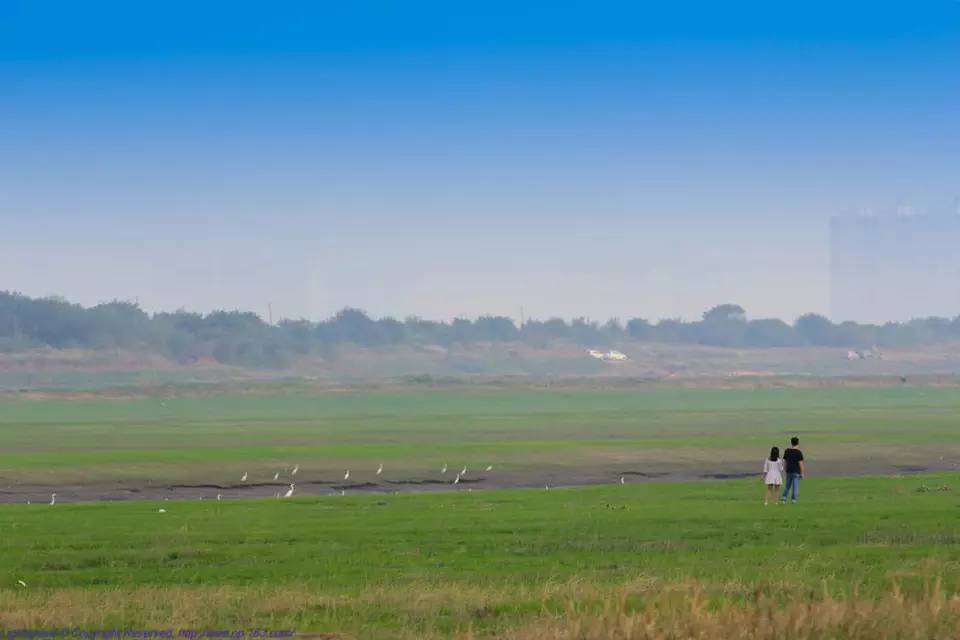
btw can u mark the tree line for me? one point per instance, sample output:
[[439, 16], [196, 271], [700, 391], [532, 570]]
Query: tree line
[[244, 338]]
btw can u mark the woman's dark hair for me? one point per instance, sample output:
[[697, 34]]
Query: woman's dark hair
[[774, 454]]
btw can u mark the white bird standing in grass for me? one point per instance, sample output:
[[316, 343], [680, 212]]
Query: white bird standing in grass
[[489, 467], [296, 468], [276, 476], [219, 496], [444, 470], [289, 492], [457, 479], [53, 498], [243, 478], [21, 583], [463, 472], [161, 510], [346, 476], [380, 469]]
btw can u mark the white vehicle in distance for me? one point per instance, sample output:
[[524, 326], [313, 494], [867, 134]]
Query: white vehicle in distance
[[608, 356]]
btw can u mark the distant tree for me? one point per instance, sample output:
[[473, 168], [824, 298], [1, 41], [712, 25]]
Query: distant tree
[[242, 338], [420, 331], [770, 333], [814, 329], [722, 326], [122, 324], [296, 335], [725, 312], [544, 333], [354, 325], [495, 329], [557, 328], [391, 331], [639, 329], [586, 332], [670, 330], [614, 330]]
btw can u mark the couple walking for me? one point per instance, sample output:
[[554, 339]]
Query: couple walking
[[774, 466]]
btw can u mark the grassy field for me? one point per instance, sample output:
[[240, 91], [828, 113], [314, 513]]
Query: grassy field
[[531, 436], [872, 556], [483, 563]]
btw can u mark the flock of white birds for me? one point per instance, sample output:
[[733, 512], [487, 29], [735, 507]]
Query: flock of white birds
[[346, 476]]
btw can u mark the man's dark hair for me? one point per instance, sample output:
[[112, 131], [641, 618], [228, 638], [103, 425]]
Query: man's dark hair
[[794, 441]]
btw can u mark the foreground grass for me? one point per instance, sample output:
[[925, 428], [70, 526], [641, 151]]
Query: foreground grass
[[616, 562], [644, 610]]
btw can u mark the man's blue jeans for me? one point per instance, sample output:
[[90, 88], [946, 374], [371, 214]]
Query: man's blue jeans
[[792, 486]]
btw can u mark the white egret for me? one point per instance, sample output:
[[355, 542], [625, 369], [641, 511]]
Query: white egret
[[243, 478], [219, 496], [53, 498], [296, 468], [380, 469], [444, 470], [463, 472], [489, 467], [346, 476], [457, 479], [623, 480], [161, 510], [289, 492], [21, 583], [276, 476]]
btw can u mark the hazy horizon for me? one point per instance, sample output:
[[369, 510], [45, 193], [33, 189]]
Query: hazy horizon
[[612, 160]]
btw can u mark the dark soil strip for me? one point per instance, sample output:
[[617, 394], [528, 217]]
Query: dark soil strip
[[358, 485], [645, 474], [906, 468], [728, 476]]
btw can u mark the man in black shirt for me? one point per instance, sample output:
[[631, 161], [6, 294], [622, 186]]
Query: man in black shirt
[[793, 461]]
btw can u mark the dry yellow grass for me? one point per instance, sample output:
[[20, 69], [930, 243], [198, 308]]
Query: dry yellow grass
[[684, 612], [575, 610]]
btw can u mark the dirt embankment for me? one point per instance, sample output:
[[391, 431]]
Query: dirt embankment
[[118, 373]]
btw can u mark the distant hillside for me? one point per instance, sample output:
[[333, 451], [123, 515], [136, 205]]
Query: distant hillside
[[243, 339]]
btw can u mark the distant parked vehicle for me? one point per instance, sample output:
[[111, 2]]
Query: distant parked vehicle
[[608, 356]]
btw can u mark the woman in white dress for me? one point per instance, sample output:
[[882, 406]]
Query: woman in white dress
[[772, 475]]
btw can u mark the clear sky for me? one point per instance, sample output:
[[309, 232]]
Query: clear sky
[[458, 158]]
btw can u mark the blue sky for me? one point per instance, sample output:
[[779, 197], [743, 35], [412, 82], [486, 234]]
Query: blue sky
[[600, 159]]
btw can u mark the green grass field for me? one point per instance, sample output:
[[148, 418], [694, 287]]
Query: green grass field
[[425, 565], [859, 557], [529, 435]]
